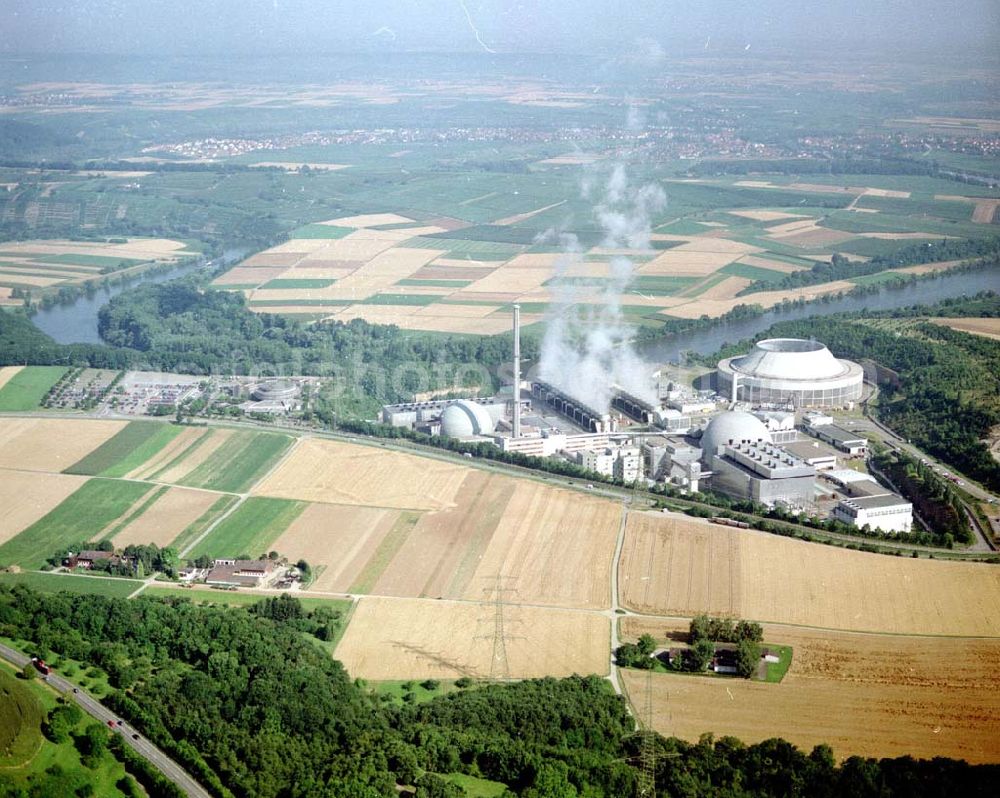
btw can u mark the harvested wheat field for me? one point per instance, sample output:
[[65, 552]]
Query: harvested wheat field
[[167, 517], [25, 497], [672, 565], [988, 328], [727, 289], [552, 546], [417, 639], [340, 539], [7, 373], [48, 444], [766, 216], [555, 546], [343, 473], [878, 720]]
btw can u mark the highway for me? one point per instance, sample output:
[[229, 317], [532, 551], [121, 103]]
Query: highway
[[96, 710]]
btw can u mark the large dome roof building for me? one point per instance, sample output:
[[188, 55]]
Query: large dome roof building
[[466, 419], [732, 428], [783, 371]]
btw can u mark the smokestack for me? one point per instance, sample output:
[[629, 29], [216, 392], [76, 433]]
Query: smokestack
[[516, 393]]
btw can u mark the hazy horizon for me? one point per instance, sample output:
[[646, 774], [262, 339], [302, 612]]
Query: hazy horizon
[[643, 30]]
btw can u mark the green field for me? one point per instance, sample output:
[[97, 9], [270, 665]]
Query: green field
[[53, 769], [755, 273], [72, 583], [251, 529], [90, 260], [132, 446], [82, 516], [239, 462], [297, 282], [776, 670], [26, 389], [204, 522], [474, 787], [401, 299], [20, 722], [320, 231]]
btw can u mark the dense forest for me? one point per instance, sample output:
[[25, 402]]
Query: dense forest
[[251, 706]]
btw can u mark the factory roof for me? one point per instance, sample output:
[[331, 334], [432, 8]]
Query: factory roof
[[839, 434], [877, 502]]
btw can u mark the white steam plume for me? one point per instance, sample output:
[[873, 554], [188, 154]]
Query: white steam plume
[[586, 349]]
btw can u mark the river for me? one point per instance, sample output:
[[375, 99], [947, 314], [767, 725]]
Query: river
[[75, 322], [711, 339]]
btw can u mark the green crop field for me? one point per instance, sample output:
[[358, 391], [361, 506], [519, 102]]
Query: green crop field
[[251, 529], [239, 462], [72, 583], [132, 446], [20, 722], [88, 510], [401, 299], [222, 504], [26, 389], [755, 273], [91, 260], [320, 231]]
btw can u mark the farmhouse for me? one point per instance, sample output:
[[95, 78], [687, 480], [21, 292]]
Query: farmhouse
[[240, 573], [87, 558]]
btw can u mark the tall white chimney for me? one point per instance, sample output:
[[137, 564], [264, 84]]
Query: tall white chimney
[[516, 393]]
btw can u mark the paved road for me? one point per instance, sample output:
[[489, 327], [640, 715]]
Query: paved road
[[95, 709]]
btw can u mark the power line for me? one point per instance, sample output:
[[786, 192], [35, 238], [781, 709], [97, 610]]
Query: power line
[[499, 662]]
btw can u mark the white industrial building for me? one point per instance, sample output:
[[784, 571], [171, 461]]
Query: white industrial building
[[746, 463], [783, 372], [887, 512], [621, 462]]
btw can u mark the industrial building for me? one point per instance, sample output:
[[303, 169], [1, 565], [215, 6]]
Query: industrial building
[[783, 372], [745, 463], [886, 512], [845, 440]]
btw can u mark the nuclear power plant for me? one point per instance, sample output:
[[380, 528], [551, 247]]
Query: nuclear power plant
[[747, 438]]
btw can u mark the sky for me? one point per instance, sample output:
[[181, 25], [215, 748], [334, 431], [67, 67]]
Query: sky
[[603, 27]]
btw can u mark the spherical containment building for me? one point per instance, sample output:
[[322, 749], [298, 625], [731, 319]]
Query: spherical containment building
[[465, 419], [732, 428], [793, 371]]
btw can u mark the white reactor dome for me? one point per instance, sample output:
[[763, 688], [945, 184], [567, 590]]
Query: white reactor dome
[[463, 419], [732, 426]]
